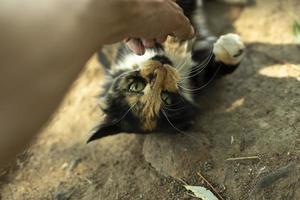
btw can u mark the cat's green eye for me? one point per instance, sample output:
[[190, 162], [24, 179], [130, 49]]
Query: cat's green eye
[[136, 86], [165, 97]]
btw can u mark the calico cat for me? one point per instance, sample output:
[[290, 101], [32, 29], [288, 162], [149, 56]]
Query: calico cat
[[157, 91]]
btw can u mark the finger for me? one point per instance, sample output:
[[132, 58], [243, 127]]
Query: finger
[[162, 39], [136, 46], [176, 6], [148, 43], [126, 39], [184, 30]]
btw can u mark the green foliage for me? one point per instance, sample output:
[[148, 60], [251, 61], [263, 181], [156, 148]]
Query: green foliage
[[296, 31]]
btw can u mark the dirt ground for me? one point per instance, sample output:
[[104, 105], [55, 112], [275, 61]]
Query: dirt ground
[[253, 113]]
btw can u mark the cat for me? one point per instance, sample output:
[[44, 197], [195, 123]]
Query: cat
[[156, 92]]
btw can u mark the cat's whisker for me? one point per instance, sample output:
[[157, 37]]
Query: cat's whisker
[[203, 66], [126, 113], [125, 73], [174, 109], [164, 113], [193, 75], [180, 131], [181, 65], [203, 86], [203, 63], [194, 72], [181, 94]]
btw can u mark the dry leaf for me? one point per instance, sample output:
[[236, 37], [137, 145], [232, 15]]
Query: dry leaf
[[201, 192]]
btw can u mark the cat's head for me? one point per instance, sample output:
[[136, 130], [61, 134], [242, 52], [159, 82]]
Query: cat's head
[[142, 95]]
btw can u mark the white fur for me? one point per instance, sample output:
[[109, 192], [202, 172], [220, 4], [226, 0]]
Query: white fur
[[183, 63], [227, 47], [131, 60]]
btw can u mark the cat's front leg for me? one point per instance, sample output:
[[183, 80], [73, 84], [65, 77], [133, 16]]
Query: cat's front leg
[[224, 54], [229, 49]]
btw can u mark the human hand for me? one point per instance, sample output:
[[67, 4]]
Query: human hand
[[138, 46], [149, 20], [176, 24], [86, 26]]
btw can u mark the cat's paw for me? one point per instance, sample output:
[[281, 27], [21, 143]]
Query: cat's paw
[[229, 49]]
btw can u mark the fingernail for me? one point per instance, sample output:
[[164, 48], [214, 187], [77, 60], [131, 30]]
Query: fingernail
[[140, 52], [162, 39], [141, 48], [148, 43], [126, 39], [192, 32]]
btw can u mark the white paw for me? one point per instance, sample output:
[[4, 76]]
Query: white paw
[[229, 49]]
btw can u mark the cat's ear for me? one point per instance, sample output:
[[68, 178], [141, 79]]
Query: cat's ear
[[105, 129]]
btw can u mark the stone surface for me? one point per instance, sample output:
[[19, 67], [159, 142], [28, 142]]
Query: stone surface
[[174, 155]]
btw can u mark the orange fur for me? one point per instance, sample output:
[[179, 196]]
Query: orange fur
[[166, 79]]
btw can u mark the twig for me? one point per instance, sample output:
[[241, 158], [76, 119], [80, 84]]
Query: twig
[[180, 180], [210, 185], [243, 158], [184, 183], [88, 180]]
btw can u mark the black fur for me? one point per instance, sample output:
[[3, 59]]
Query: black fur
[[177, 117], [162, 59]]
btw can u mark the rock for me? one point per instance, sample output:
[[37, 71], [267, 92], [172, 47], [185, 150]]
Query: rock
[[176, 155]]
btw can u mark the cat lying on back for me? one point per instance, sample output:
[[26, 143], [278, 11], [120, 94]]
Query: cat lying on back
[[157, 91]]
